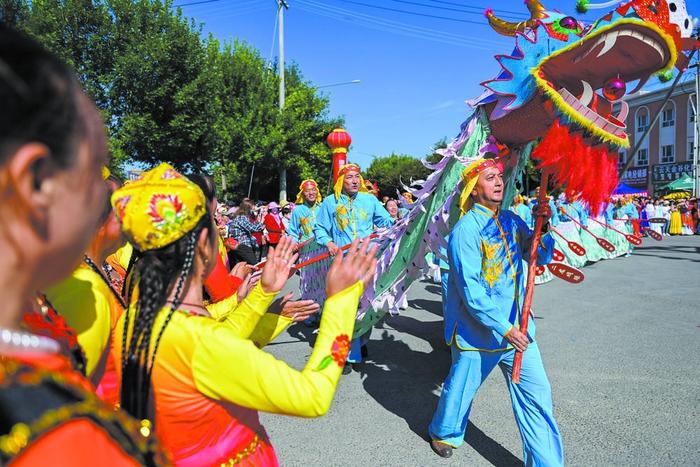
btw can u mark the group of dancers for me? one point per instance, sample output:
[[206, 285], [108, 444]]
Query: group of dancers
[[121, 340], [583, 237], [126, 339]]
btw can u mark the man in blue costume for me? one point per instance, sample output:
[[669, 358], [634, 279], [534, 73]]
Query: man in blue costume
[[301, 225], [350, 212], [485, 294], [523, 210]]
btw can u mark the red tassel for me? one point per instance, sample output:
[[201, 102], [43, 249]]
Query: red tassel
[[583, 170]]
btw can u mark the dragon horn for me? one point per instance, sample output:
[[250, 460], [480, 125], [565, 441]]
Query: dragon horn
[[582, 6], [509, 29]]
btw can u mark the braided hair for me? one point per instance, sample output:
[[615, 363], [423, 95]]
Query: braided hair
[[157, 272]]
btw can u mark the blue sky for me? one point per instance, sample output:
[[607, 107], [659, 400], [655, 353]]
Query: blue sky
[[416, 70]]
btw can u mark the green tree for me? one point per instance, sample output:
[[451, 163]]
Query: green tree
[[389, 172], [168, 94]]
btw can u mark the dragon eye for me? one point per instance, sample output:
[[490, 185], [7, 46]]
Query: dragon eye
[[568, 22]]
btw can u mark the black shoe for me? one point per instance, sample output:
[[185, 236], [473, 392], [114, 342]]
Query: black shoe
[[441, 449], [357, 366], [363, 352], [347, 369]]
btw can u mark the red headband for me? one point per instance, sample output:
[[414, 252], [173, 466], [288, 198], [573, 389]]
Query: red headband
[[350, 168], [308, 184], [488, 163]]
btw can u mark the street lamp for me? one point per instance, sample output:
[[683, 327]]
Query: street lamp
[[344, 83]]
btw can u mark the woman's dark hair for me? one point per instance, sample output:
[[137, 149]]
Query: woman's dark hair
[[158, 273], [40, 99], [206, 183], [245, 208]]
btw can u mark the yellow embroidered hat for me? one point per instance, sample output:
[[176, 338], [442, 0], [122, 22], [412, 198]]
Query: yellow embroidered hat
[[306, 184], [158, 208], [348, 168]]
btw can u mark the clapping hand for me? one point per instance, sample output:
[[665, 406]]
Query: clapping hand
[[359, 264], [241, 270], [247, 285], [296, 310], [278, 265]]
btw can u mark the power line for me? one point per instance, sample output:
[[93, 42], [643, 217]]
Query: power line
[[473, 7], [395, 26], [479, 11], [425, 15], [272, 44], [200, 2], [227, 6]]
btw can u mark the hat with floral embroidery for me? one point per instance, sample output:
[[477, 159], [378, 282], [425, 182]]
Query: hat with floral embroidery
[[158, 208]]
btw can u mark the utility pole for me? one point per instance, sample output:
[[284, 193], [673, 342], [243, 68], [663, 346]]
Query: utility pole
[[696, 136], [281, 6]]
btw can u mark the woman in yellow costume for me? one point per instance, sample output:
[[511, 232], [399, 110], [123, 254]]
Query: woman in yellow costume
[[676, 226], [207, 377]]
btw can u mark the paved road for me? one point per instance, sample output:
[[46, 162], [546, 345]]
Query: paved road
[[622, 351]]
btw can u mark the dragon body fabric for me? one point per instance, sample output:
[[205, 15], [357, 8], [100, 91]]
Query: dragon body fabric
[[553, 103]]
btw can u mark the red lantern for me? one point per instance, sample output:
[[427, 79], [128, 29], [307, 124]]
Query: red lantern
[[339, 140]]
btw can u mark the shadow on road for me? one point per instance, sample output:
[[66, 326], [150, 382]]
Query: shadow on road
[[407, 382], [303, 333], [432, 306]]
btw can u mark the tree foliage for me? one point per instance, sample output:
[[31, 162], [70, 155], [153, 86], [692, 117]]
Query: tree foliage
[[169, 94], [391, 171]]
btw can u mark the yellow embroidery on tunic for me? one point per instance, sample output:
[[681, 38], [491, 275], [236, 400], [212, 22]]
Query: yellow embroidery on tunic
[[342, 217], [363, 215], [305, 223], [491, 264]]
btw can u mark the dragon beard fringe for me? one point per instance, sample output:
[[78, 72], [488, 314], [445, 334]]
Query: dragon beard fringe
[[584, 171]]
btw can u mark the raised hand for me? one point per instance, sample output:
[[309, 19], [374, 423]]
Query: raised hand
[[359, 263], [278, 266]]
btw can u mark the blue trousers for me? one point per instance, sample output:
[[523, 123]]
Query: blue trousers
[[355, 354], [532, 402]]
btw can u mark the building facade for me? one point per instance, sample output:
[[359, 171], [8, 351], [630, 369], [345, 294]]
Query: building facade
[[669, 150]]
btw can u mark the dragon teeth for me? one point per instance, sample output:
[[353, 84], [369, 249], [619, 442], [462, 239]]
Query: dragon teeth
[[624, 111], [610, 40], [587, 95]]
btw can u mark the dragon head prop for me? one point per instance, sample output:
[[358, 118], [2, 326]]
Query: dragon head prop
[[562, 69], [565, 81]]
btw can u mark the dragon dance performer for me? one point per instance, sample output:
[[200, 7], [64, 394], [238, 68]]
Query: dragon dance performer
[[350, 213], [594, 252], [569, 230], [606, 217], [623, 222], [301, 226], [53, 148], [485, 292], [208, 378], [523, 210], [633, 215]]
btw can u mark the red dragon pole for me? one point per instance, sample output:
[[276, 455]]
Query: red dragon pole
[[531, 273]]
